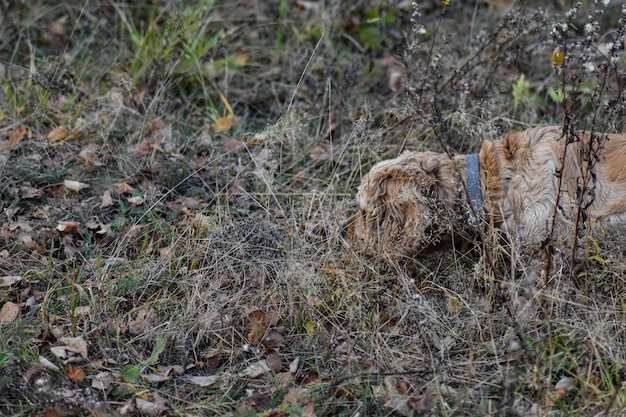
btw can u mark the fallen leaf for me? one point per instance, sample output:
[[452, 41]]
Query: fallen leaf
[[257, 369], [230, 144], [31, 244], [240, 57], [83, 312], [124, 188], [150, 408], [293, 366], [156, 377], [67, 226], [47, 364], [51, 412], [300, 398], [398, 404], [145, 320], [103, 380], [135, 200], [90, 157], [27, 192], [75, 375], [18, 135], [57, 134], [422, 403], [274, 362], [257, 321], [75, 185], [75, 344], [203, 381], [107, 200], [9, 312], [273, 339], [165, 252], [8, 280], [560, 390], [223, 124], [306, 5], [57, 26]]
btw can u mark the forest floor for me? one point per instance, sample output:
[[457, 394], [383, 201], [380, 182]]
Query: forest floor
[[174, 181]]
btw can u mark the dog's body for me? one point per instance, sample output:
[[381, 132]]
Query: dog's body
[[536, 186]]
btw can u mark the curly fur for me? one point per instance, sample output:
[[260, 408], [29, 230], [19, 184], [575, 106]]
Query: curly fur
[[418, 201]]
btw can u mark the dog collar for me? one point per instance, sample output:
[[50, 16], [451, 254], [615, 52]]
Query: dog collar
[[473, 181]]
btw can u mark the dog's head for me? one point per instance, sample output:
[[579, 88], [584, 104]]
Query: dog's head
[[399, 206]]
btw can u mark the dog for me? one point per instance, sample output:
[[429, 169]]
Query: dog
[[538, 187]]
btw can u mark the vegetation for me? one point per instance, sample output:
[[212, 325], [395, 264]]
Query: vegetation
[[174, 179]]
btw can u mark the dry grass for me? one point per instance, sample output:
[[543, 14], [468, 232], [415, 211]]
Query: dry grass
[[205, 268]]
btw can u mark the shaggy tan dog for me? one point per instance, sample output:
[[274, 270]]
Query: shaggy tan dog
[[531, 185]]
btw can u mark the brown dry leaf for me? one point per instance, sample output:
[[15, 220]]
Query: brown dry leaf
[[240, 58], [156, 377], [223, 124], [157, 124], [274, 362], [203, 381], [273, 339], [51, 412], [27, 192], [57, 27], [399, 404], [135, 200], [402, 385], [75, 345], [300, 398], [46, 364], [140, 150], [90, 157], [272, 317], [257, 320], [560, 390], [67, 226], [231, 144], [30, 243], [145, 320], [93, 224], [257, 369], [124, 188], [306, 5], [139, 96], [103, 381], [75, 375], [9, 312], [75, 185], [390, 385], [422, 403], [311, 379], [18, 135], [156, 407], [107, 200], [8, 280], [144, 146], [293, 366], [57, 134]]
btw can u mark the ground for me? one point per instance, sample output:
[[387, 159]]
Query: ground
[[175, 178]]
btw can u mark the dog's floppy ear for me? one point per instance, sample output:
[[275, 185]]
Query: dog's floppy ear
[[392, 199], [412, 173]]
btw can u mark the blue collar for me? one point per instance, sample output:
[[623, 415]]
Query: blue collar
[[473, 181]]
